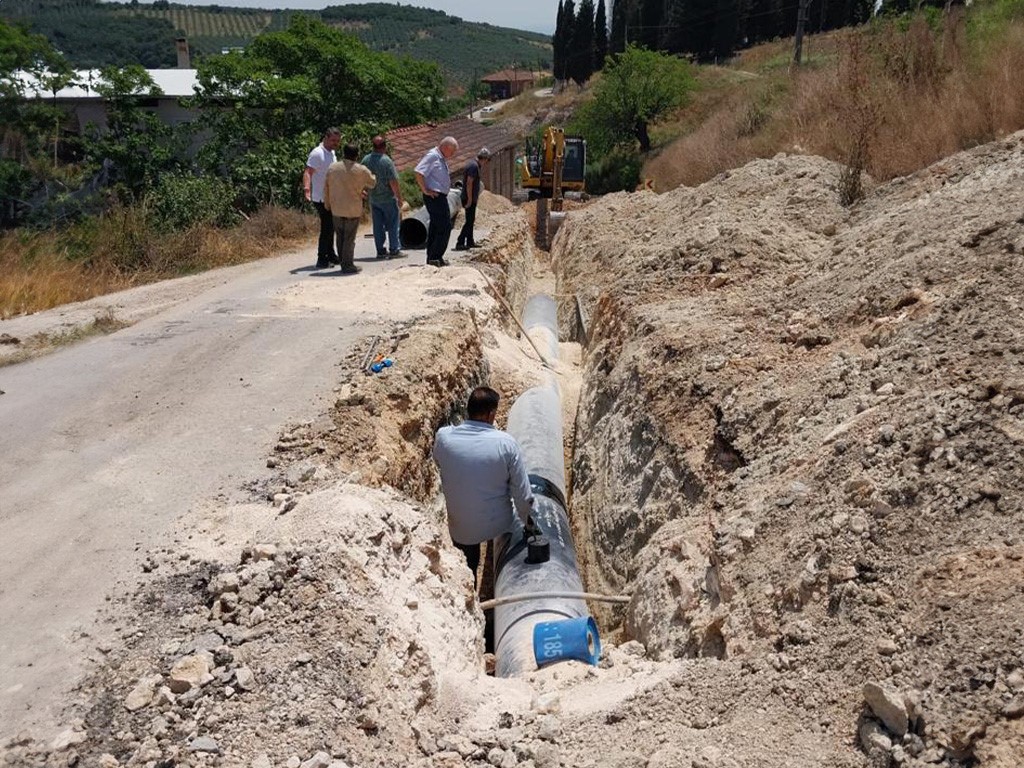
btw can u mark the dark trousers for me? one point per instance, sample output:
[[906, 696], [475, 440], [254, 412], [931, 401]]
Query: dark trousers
[[466, 235], [346, 230], [472, 553], [440, 228], [325, 246]]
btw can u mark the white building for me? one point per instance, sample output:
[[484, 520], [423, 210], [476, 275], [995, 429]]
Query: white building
[[86, 106]]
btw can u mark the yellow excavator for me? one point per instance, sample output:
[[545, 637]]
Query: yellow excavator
[[558, 163], [547, 170]]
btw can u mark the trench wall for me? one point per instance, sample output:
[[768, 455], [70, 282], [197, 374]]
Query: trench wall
[[774, 386]]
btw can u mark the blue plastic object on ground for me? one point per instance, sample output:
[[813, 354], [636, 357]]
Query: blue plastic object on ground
[[567, 639]]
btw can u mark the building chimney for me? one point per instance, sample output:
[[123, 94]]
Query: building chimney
[[184, 60]]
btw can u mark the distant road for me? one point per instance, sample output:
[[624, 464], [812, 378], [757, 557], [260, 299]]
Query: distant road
[[486, 111]]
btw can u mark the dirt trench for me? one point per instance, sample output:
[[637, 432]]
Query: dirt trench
[[796, 438]]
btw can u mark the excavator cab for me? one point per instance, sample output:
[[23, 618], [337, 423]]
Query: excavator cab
[[557, 164], [575, 163]]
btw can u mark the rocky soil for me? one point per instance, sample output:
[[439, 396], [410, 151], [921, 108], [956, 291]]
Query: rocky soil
[[800, 440], [798, 447]]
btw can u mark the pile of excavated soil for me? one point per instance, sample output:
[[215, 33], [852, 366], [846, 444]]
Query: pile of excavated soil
[[799, 446]]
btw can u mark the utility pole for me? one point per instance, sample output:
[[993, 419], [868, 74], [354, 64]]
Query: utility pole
[[472, 93], [801, 23]]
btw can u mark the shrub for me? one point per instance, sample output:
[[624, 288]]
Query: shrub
[[14, 188], [180, 201], [410, 189], [617, 171], [273, 174]]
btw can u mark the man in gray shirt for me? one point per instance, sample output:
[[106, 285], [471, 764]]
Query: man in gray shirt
[[435, 181], [482, 474]]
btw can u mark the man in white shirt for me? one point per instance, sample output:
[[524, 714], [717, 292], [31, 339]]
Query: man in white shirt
[[483, 476], [319, 161]]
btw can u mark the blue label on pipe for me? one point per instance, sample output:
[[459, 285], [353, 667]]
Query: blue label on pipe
[[566, 639]]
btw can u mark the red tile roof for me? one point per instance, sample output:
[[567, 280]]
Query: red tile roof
[[409, 144], [510, 76]]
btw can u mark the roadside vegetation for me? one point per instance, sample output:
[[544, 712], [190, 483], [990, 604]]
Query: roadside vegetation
[[122, 248], [889, 98], [90, 212]]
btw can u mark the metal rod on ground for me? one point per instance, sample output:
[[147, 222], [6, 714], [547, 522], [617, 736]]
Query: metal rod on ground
[[617, 599], [369, 354], [513, 315]]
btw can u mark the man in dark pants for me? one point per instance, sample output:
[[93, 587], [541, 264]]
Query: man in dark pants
[[483, 477], [435, 181], [346, 184], [471, 188], [319, 161]]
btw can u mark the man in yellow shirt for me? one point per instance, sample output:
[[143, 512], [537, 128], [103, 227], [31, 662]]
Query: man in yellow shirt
[[344, 189]]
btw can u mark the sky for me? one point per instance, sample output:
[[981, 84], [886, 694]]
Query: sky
[[535, 15]]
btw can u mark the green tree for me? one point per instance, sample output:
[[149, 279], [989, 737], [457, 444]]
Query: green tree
[[558, 44], [266, 106], [581, 60], [617, 40], [135, 142], [638, 87], [649, 24], [600, 35], [568, 24], [29, 70]]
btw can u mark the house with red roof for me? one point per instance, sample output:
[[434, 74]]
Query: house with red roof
[[408, 145], [508, 83]]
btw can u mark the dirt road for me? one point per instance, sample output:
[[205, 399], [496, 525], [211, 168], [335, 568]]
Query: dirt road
[[106, 443]]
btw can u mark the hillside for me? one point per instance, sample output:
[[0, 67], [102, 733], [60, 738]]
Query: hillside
[[91, 33]]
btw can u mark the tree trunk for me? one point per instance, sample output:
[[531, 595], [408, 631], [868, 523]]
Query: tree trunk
[[642, 135]]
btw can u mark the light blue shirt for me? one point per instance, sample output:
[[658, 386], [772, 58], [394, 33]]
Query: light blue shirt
[[482, 473], [434, 169]]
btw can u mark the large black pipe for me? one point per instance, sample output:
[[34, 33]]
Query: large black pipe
[[535, 420], [413, 229]]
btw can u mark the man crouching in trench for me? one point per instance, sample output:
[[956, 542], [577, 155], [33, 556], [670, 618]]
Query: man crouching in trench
[[483, 477]]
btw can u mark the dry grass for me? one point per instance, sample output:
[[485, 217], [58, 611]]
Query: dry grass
[[732, 126], [887, 99], [121, 249]]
